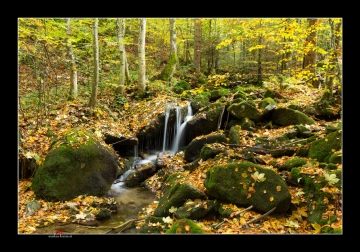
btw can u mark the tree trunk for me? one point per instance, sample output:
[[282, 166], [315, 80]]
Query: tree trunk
[[93, 98], [168, 71], [310, 44], [120, 28], [73, 72], [142, 62], [197, 44]]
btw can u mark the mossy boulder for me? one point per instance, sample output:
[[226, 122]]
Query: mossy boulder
[[185, 226], [197, 209], [216, 94], [246, 184], [265, 102], [176, 191], [293, 162], [193, 149], [205, 120], [244, 110], [234, 134], [323, 148], [211, 150], [286, 116], [77, 164]]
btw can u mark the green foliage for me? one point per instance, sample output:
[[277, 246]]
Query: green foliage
[[181, 86]]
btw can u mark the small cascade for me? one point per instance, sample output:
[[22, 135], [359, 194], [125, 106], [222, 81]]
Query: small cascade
[[178, 137], [167, 114]]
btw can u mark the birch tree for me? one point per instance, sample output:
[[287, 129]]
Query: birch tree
[[142, 61], [310, 44], [120, 28], [73, 71], [197, 44], [93, 98]]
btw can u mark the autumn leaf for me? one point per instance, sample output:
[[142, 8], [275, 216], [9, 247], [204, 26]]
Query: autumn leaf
[[187, 228], [278, 188], [290, 223], [172, 209], [258, 176], [302, 211], [80, 216], [167, 219], [317, 227], [331, 178], [244, 175]]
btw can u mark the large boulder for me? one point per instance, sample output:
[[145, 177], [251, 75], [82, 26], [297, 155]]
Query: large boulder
[[176, 191], [246, 184], [192, 151], [286, 116], [323, 148], [77, 164], [244, 110]]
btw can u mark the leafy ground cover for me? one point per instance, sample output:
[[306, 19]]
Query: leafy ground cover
[[125, 118]]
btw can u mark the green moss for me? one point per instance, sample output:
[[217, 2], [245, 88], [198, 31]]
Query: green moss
[[322, 149], [185, 226], [234, 134], [293, 162]]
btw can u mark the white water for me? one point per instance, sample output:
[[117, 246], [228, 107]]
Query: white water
[[167, 113], [180, 128]]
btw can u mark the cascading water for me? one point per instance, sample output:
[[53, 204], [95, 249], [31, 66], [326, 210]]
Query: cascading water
[[178, 137], [167, 114]]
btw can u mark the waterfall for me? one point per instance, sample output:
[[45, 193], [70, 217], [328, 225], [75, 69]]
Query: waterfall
[[178, 137], [167, 113]]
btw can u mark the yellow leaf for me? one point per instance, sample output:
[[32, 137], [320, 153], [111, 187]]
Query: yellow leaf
[[187, 227], [326, 140], [264, 191], [278, 188], [249, 195], [236, 169], [317, 227], [271, 198], [244, 175]]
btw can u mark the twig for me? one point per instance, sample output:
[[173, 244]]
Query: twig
[[261, 216], [246, 209], [123, 226]]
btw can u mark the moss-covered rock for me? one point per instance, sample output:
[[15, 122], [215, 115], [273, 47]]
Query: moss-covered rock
[[244, 110], [322, 149], [293, 162], [286, 116], [245, 184], [234, 134], [205, 120], [220, 92], [211, 150], [176, 191], [77, 164], [185, 226], [265, 102], [193, 149], [197, 210]]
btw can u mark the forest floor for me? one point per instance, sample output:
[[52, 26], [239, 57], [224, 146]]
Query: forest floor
[[39, 128]]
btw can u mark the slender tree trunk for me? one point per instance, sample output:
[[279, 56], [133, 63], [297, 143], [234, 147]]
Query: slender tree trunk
[[73, 72], [197, 44], [120, 28], [310, 44], [142, 61], [93, 98], [259, 62], [168, 71]]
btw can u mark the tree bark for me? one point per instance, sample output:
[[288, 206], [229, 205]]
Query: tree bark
[[120, 28], [197, 44], [93, 98], [142, 61], [310, 44], [73, 72], [168, 71]]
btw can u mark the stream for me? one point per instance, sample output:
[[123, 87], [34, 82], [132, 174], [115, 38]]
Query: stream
[[130, 201]]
